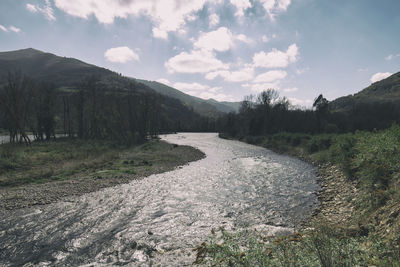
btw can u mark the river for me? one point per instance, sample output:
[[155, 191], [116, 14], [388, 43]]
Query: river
[[160, 219]]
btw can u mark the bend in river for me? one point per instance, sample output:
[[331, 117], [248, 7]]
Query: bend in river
[[160, 219]]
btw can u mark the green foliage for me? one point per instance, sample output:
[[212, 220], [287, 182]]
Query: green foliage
[[323, 246], [318, 143], [377, 158]]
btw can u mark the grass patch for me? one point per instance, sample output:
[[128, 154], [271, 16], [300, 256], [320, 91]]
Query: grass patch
[[322, 246], [65, 159]]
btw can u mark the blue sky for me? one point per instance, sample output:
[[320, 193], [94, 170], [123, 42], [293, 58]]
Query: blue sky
[[221, 49]]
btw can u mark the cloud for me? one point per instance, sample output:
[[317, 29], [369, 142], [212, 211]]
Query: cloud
[[203, 91], [121, 54], [270, 76], [301, 71], [390, 57], [265, 39], [290, 90], [157, 33], [259, 87], [242, 75], [191, 86], [2, 28], [275, 7], [241, 6], [300, 102], [164, 81], [31, 8], [276, 58], [213, 20], [195, 62], [219, 40], [380, 76], [167, 15], [14, 29], [46, 10], [243, 38], [10, 28]]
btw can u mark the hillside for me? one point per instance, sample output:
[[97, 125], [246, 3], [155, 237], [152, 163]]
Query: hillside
[[47, 67], [66, 73], [381, 92], [209, 107]]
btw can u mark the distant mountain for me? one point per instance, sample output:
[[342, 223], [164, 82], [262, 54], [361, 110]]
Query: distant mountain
[[42, 66], [68, 72], [384, 91], [209, 107]]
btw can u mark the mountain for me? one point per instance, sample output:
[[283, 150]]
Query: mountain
[[42, 66], [66, 73], [381, 92], [209, 107]]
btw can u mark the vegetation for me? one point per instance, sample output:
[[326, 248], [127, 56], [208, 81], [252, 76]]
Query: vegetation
[[91, 111], [323, 246], [66, 159], [370, 159], [363, 141]]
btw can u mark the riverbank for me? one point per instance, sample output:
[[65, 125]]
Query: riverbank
[[47, 172], [357, 221]]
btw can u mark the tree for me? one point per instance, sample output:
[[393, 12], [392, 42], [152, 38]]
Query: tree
[[321, 108], [16, 101]]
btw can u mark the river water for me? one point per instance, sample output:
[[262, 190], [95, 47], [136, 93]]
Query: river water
[[160, 219]]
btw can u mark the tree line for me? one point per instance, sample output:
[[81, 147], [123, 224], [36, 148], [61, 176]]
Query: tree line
[[267, 113], [90, 110]]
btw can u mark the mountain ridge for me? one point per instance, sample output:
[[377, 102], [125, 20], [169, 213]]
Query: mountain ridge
[[67, 72]]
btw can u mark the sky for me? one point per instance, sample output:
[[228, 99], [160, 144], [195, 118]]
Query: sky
[[221, 49]]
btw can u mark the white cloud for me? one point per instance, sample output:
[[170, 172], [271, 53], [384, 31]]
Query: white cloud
[[190, 86], [300, 102], [380, 76], [191, 17], [290, 90], [242, 75], [46, 10], [276, 58], [259, 87], [121, 54], [157, 33], [301, 71], [270, 76], [167, 15], [10, 28], [4, 29], [203, 91], [241, 6], [265, 39], [390, 57], [275, 7], [243, 38], [213, 20], [14, 29], [31, 8], [194, 62], [219, 40], [163, 81]]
